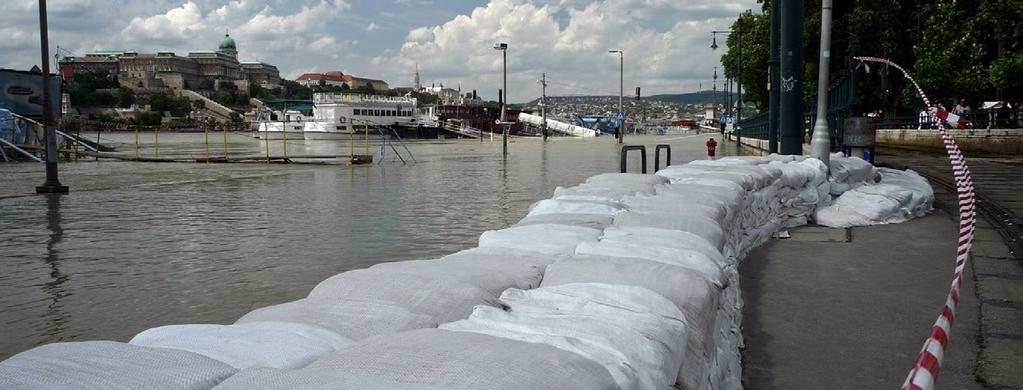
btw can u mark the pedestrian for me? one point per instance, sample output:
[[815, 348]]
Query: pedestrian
[[924, 119], [712, 146], [962, 109]]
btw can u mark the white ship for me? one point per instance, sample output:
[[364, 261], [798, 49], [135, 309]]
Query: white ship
[[292, 127], [337, 115]]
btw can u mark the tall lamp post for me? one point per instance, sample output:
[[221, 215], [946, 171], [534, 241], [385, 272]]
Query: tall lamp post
[[52, 184], [621, 92], [715, 89], [503, 47], [820, 142], [738, 77]]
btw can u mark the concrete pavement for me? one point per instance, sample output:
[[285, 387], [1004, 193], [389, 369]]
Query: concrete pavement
[[825, 313]]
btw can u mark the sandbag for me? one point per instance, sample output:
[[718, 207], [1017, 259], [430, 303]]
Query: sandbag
[[638, 335], [277, 345], [665, 238], [544, 238], [108, 365], [492, 276], [600, 192], [556, 206], [499, 257], [846, 173], [440, 296], [435, 359], [694, 295], [625, 179], [353, 319], [593, 221], [697, 224]]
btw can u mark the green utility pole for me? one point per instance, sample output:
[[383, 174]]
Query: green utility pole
[[791, 82], [773, 64]]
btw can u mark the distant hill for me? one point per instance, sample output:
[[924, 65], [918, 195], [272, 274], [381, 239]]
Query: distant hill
[[702, 97]]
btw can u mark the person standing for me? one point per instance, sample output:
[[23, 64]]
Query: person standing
[[962, 109], [924, 119]]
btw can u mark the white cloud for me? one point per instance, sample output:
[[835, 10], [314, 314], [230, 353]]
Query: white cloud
[[372, 26], [665, 44]]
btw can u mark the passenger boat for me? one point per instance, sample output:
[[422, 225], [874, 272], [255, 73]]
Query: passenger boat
[[291, 128], [337, 115]]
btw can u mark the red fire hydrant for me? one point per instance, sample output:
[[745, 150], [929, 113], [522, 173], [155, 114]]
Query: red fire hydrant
[[712, 146]]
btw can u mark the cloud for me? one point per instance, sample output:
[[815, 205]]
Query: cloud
[[372, 26], [665, 44]]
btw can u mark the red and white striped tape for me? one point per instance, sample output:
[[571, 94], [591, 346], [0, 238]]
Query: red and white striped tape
[[928, 363]]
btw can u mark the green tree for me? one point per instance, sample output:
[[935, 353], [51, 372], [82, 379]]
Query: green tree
[[149, 118], [755, 30], [125, 97], [223, 97]]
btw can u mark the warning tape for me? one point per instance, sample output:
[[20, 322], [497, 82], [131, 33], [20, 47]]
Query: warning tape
[[928, 363]]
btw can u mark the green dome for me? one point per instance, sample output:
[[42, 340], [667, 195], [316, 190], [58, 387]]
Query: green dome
[[227, 43]]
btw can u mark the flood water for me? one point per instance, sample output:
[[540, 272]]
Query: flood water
[[136, 245]]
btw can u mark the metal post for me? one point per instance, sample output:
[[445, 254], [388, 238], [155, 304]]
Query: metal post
[[791, 82], [621, 92], [820, 143], [543, 104], [52, 184], [738, 89], [773, 79]]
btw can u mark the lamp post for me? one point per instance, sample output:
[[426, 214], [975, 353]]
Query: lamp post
[[52, 184], [503, 47], [820, 142], [621, 92], [737, 78], [715, 89]]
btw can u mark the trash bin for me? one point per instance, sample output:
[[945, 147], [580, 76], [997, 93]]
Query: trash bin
[[859, 135]]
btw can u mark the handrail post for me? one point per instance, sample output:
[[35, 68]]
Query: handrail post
[[625, 155], [657, 156]]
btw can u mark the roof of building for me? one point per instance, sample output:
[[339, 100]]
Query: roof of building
[[227, 42], [329, 76]]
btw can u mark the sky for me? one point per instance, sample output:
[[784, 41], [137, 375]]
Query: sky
[[666, 42]]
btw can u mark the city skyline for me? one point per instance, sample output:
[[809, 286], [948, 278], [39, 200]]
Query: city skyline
[[665, 42]]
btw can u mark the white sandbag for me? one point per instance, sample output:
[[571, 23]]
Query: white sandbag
[[556, 206], [665, 238], [494, 277], [600, 192], [625, 179], [696, 224], [846, 173], [353, 319], [543, 238], [635, 333], [499, 256], [593, 221], [900, 196], [694, 295], [677, 205], [685, 258], [245, 346], [440, 296], [727, 186], [435, 359], [110, 365], [750, 177]]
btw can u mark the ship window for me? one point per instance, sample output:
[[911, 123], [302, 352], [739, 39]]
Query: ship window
[[357, 112], [376, 112]]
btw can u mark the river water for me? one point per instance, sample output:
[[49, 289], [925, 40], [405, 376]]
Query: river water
[[137, 245]]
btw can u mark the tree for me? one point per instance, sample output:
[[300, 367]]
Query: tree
[[223, 97], [125, 97], [755, 30], [150, 118]]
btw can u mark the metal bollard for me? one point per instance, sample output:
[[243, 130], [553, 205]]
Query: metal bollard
[[657, 156], [625, 156]]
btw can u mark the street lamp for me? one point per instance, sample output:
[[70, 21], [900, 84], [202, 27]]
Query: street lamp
[[503, 47], [738, 76], [621, 92], [52, 184]]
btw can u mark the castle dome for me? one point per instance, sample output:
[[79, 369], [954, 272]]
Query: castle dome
[[227, 43]]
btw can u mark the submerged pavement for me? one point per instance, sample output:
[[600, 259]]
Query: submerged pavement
[[850, 309]]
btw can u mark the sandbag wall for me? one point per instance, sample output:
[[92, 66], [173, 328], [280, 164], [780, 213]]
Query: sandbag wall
[[626, 281]]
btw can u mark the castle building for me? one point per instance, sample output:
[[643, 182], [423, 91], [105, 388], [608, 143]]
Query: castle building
[[166, 72]]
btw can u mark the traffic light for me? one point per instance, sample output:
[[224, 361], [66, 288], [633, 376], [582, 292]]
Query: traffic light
[[637, 93]]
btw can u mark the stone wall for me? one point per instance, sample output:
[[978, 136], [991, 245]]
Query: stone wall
[[971, 141]]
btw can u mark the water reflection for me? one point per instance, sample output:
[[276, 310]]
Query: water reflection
[[55, 316]]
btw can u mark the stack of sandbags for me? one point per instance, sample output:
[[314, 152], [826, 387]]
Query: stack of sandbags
[[695, 295], [898, 197], [110, 365], [551, 239], [435, 359], [635, 333]]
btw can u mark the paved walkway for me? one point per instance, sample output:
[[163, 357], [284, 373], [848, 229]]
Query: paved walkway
[[825, 313]]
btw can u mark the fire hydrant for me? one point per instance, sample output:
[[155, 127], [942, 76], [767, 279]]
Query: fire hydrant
[[712, 146]]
